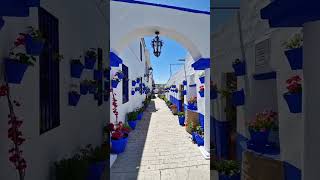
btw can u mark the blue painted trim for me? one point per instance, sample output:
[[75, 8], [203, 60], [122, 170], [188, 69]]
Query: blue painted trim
[[192, 85], [291, 13], [265, 76], [165, 6], [291, 172], [201, 64], [115, 60]]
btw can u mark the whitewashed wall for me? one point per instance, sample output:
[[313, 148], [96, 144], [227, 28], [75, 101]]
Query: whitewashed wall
[[80, 27], [226, 49], [136, 68]]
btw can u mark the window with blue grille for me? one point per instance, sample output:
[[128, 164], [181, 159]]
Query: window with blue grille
[[49, 72], [125, 86]]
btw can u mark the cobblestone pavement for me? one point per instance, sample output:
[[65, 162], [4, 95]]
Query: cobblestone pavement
[[160, 149]]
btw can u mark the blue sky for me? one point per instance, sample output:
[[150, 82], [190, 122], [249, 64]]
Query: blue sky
[[172, 50]]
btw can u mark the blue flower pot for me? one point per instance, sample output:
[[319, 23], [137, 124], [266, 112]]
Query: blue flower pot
[[33, 47], [76, 70], [133, 92], [138, 80], [14, 70], [201, 93], [239, 69], [97, 75], [259, 138], [133, 83], [184, 92], [120, 75], [199, 140], [225, 177], [194, 136], [294, 102], [89, 62], [114, 83], [295, 58], [213, 94], [192, 107], [238, 98], [132, 124], [176, 91], [73, 98], [140, 115], [84, 89], [184, 83], [181, 120], [96, 170], [118, 146], [202, 79]]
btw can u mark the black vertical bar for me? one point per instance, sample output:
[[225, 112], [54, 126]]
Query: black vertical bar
[[99, 54]]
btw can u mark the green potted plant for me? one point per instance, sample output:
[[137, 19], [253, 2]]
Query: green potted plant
[[90, 58], [239, 67], [132, 119], [181, 118], [74, 96], [294, 51], [16, 65], [293, 96], [199, 136], [34, 41], [227, 169]]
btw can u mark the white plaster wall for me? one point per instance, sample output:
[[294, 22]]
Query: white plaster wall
[[80, 125], [130, 21], [136, 68], [226, 48]]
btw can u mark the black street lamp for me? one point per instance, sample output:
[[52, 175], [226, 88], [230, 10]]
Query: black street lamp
[[157, 44]]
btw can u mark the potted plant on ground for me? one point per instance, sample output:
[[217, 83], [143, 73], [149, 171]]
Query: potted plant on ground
[[140, 113], [181, 118], [174, 109], [201, 91], [90, 58], [294, 52], [119, 138], [132, 119], [34, 41], [202, 77], [72, 168], [227, 169], [294, 95], [76, 68], [114, 82], [199, 136], [192, 103], [97, 158], [260, 128], [16, 65], [239, 67], [74, 96]]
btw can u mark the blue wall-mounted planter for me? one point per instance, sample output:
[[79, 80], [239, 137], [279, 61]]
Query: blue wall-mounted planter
[[184, 83], [133, 83], [89, 62], [294, 102], [184, 92], [201, 64], [76, 70], [33, 47], [118, 146], [201, 93], [96, 170], [239, 68], [132, 124], [73, 98], [14, 70], [84, 88], [173, 86], [225, 177], [138, 80], [114, 83], [238, 98], [295, 58], [133, 92], [202, 79], [97, 75], [265, 76]]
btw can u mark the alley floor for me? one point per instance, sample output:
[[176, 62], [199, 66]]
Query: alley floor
[[160, 149]]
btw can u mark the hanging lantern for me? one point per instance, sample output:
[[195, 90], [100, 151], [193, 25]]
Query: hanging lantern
[[157, 45]]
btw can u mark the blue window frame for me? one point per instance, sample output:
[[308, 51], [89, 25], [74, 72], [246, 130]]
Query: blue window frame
[[49, 72], [125, 86]]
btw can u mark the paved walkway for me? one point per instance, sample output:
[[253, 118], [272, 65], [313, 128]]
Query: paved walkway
[[160, 149]]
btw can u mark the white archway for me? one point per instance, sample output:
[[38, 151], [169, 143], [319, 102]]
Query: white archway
[[130, 21]]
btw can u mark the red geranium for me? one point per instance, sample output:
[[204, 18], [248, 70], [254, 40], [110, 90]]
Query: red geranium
[[294, 84]]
